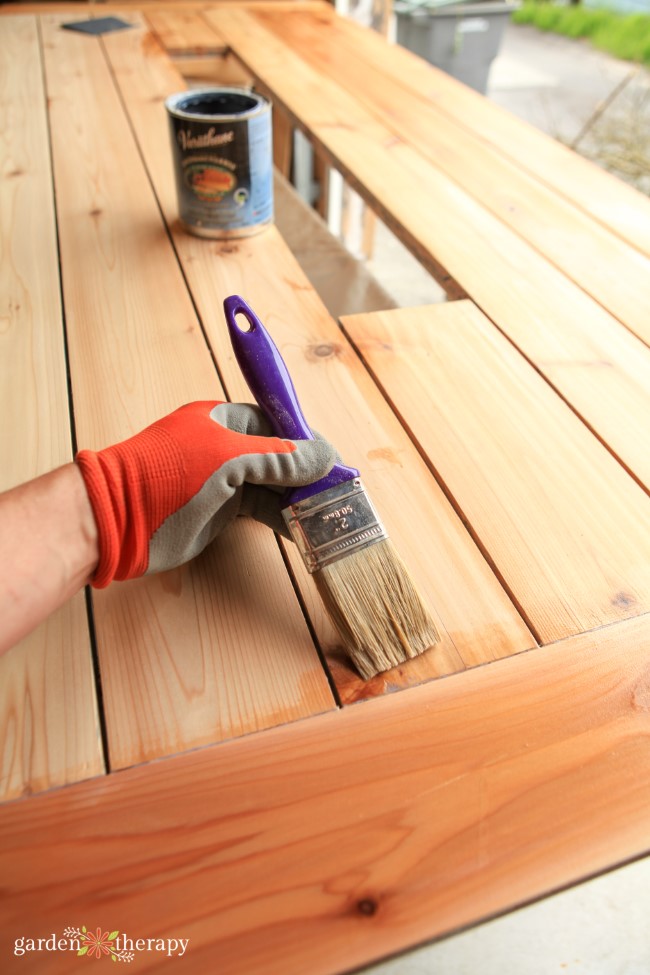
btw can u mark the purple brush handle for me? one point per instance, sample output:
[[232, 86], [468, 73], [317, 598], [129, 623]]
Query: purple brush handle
[[269, 381]]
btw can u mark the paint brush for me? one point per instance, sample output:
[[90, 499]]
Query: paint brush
[[364, 585]]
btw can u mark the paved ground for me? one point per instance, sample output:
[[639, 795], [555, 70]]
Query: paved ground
[[592, 102]]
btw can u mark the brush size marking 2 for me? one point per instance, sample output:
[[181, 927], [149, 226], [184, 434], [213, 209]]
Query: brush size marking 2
[[339, 517]]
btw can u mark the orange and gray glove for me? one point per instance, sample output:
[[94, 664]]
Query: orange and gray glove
[[160, 497]]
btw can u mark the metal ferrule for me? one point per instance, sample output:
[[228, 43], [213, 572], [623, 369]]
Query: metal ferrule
[[334, 523]]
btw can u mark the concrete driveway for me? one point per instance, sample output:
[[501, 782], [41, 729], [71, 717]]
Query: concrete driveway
[[596, 104]]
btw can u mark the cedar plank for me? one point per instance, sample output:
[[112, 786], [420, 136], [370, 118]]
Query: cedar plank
[[42, 743]]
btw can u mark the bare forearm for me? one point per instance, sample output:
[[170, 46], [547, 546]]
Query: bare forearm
[[48, 549]]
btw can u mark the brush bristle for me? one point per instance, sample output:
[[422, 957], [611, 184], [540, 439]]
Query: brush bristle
[[376, 608]]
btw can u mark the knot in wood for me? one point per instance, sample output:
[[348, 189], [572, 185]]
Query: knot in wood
[[624, 600], [367, 906], [323, 350]]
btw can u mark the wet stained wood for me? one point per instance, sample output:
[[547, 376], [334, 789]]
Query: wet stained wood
[[330, 843]]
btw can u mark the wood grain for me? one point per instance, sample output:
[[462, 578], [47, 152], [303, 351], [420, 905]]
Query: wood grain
[[330, 843], [185, 31], [566, 527], [561, 329], [36, 434], [609, 269], [166, 643], [339, 398], [49, 730]]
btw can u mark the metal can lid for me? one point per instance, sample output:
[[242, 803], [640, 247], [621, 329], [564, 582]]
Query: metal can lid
[[216, 104]]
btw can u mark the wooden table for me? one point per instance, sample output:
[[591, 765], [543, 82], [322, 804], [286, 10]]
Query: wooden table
[[183, 756]]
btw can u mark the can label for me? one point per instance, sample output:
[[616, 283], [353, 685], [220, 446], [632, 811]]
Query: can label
[[223, 160]]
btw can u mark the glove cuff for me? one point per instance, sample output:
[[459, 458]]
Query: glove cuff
[[132, 487], [108, 517]]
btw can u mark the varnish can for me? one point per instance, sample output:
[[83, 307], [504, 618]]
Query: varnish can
[[223, 160]]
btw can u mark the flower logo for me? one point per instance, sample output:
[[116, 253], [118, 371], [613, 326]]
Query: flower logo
[[98, 944]]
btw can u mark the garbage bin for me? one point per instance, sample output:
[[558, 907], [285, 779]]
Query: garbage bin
[[463, 39]]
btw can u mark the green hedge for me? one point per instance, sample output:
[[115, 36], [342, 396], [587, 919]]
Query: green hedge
[[625, 36]]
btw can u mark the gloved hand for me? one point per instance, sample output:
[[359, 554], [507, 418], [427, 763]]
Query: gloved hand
[[160, 497]]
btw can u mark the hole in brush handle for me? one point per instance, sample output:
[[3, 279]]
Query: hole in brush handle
[[265, 372]]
